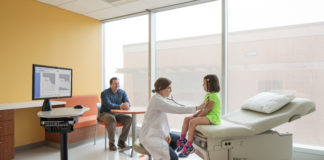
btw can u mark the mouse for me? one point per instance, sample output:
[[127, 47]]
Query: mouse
[[78, 107]]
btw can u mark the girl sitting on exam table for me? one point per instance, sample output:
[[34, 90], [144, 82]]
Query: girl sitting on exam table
[[209, 115], [155, 134]]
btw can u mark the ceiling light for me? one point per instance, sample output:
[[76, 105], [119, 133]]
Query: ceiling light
[[119, 2]]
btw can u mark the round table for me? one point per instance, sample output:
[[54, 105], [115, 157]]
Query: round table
[[133, 110]]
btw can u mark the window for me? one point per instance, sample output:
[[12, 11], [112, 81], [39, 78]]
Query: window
[[126, 57], [188, 47], [276, 46], [273, 46]]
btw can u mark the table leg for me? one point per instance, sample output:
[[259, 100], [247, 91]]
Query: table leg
[[64, 146], [133, 132]]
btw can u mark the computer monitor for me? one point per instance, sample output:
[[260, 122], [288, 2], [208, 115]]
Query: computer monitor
[[51, 82]]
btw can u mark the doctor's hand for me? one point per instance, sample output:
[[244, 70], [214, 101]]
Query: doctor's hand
[[168, 139]]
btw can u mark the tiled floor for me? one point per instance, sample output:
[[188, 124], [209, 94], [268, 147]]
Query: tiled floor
[[86, 151]]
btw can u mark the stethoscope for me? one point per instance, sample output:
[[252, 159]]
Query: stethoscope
[[171, 99]]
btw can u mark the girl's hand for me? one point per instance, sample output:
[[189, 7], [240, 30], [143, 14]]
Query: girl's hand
[[196, 114], [168, 139]]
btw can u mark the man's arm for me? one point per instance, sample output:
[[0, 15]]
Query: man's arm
[[106, 102], [125, 98]]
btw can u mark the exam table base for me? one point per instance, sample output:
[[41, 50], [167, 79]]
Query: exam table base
[[266, 146]]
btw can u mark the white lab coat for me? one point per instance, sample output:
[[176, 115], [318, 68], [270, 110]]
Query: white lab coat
[[155, 127]]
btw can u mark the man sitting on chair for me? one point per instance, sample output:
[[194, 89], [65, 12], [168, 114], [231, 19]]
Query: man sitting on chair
[[115, 98]]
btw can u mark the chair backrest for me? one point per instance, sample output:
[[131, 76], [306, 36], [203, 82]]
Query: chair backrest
[[85, 100], [98, 107]]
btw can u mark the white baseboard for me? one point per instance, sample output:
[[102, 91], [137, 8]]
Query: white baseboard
[[303, 152]]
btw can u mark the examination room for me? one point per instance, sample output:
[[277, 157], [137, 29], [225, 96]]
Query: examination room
[[161, 79]]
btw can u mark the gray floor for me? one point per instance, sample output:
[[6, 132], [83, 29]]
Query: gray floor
[[86, 151], [307, 156]]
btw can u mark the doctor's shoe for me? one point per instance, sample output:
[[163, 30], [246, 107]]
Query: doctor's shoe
[[186, 151], [180, 144], [112, 147], [122, 144]]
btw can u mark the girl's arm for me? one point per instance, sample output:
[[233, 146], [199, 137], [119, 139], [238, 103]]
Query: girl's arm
[[207, 109], [162, 105]]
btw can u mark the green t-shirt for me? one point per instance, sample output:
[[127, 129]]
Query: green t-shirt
[[214, 114]]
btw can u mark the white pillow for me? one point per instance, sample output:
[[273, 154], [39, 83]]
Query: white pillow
[[267, 102]]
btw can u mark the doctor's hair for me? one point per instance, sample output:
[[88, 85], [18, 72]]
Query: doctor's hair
[[113, 79], [212, 83], [160, 84]]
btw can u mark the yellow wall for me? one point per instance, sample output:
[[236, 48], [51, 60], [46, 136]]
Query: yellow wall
[[35, 33]]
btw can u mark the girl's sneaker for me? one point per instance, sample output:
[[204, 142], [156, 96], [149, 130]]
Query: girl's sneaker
[[181, 144], [186, 151]]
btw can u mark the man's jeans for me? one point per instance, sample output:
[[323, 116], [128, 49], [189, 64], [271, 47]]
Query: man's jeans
[[111, 120], [173, 146]]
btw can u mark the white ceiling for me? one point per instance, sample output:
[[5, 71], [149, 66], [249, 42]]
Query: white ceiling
[[106, 9]]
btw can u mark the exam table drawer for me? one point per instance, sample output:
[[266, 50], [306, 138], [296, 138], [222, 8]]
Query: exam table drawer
[[6, 115], [6, 128], [201, 142]]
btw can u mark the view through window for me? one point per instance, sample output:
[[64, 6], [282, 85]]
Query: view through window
[[276, 46]]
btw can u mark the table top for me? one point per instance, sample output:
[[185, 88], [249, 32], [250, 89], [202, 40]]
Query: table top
[[131, 110], [62, 112], [29, 104]]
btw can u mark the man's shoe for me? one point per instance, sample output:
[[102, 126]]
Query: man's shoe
[[112, 147], [122, 144]]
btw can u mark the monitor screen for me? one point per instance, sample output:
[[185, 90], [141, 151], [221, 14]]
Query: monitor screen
[[51, 82]]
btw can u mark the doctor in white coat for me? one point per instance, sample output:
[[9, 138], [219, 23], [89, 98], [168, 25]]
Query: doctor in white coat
[[155, 133]]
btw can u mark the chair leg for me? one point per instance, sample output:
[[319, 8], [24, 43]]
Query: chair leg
[[105, 139], [95, 134]]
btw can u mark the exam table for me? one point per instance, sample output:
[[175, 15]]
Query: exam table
[[247, 135]]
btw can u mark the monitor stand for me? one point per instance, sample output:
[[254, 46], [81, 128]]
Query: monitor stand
[[47, 106], [63, 125]]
